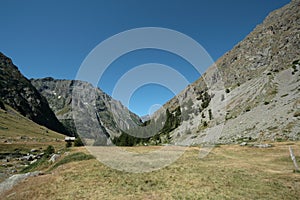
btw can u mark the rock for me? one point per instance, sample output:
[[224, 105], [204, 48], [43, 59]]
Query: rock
[[262, 145], [27, 158], [34, 161], [53, 158], [15, 179], [243, 144], [33, 150]]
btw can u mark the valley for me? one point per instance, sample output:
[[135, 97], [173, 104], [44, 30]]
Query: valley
[[225, 136]]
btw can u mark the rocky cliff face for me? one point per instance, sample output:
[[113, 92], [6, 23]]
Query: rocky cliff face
[[18, 92], [86, 110], [252, 92]]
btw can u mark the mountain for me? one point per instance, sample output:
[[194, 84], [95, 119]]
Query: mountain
[[86, 110], [251, 93], [17, 92]]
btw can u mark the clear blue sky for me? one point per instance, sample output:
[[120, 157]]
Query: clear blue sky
[[52, 38]]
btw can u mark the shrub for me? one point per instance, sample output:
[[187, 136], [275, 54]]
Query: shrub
[[227, 90], [68, 144], [205, 100], [50, 150], [78, 142]]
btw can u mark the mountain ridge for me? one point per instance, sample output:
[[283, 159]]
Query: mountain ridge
[[17, 92], [91, 107], [241, 81]]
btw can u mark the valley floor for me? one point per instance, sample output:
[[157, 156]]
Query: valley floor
[[228, 172]]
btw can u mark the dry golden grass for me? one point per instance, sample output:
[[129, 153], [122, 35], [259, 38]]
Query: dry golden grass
[[18, 132], [228, 172], [13, 126]]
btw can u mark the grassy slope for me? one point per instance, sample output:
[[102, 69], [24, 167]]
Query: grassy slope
[[228, 172], [19, 132]]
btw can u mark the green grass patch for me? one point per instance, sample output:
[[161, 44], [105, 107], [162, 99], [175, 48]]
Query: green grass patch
[[79, 156], [35, 166]]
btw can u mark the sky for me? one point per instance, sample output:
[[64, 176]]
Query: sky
[[53, 38]]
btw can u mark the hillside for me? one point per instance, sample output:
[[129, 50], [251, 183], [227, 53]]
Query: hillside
[[18, 136], [17, 92], [251, 93], [91, 114]]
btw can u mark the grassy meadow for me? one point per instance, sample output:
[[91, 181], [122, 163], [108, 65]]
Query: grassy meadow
[[228, 172]]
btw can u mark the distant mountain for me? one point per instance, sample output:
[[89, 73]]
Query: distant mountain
[[17, 92], [92, 114], [145, 118], [251, 93]]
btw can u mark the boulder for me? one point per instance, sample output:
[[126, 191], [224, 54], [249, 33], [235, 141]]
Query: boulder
[[53, 158], [243, 144]]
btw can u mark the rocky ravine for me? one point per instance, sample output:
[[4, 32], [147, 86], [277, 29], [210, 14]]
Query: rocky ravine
[[20, 94], [252, 91]]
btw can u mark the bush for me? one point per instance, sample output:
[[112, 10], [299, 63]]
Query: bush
[[78, 142], [50, 150], [68, 144], [227, 90], [206, 99]]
